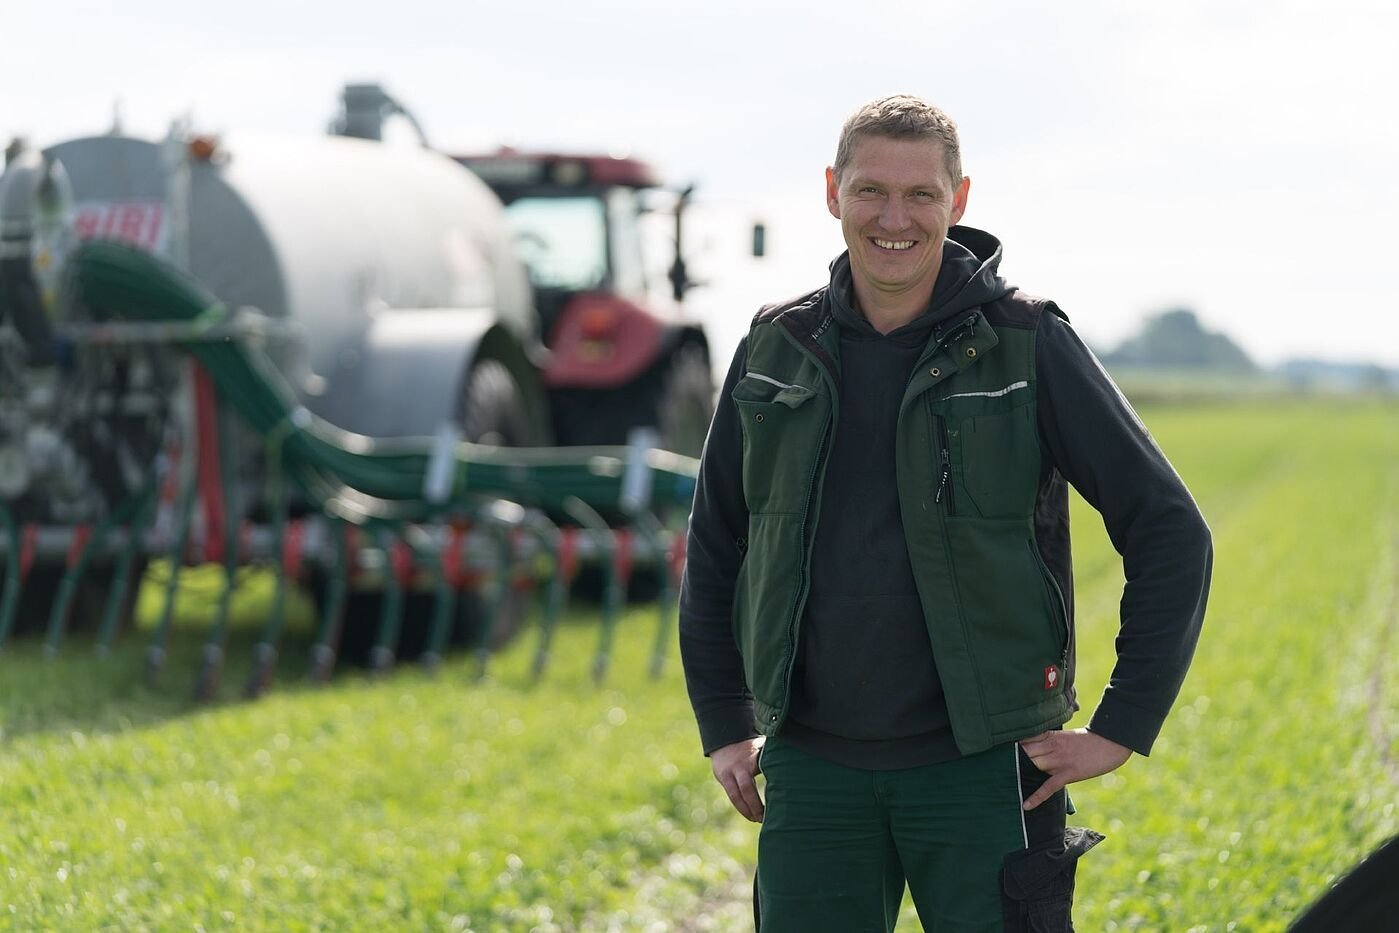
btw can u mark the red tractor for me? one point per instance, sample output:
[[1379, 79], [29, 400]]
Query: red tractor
[[612, 358]]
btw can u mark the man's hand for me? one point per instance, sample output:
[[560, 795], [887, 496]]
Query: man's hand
[[1068, 756], [734, 767]]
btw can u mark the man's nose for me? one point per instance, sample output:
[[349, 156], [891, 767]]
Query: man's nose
[[894, 217]]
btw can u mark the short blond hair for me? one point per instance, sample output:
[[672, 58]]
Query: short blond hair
[[901, 116]]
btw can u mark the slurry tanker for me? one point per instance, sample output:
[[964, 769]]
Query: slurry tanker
[[395, 376]]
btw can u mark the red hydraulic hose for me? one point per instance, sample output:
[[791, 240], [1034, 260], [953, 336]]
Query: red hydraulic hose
[[623, 555], [568, 553], [291, 549], [401, 560], [79, 541], [207, 447], [451, 557], [28, 545]]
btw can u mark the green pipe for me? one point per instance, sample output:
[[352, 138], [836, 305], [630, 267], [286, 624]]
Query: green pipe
[[67, 587], [122, 575], [555, 598], [184, 514], [606, 542], [444, 609], [499, 601], [387, 476], [650, 528], [9, 603], [381, 656], [327, 640], [72, 576], [265, 651], [664, 618], [211, 666], [612, 598]]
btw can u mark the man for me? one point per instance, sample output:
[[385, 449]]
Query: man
[[877, 611]]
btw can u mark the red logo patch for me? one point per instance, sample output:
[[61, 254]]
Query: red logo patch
[[1051, 677]]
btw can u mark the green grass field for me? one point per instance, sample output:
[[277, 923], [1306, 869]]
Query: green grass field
[[441, 802]]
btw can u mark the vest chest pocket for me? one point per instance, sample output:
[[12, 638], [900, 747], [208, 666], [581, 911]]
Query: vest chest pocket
[[1000, 461], [783, 427]]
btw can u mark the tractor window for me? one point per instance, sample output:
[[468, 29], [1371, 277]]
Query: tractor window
[[563, 241], [628, 267]]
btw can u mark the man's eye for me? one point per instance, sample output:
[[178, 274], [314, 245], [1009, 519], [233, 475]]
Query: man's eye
[[869, 189], [925, 195]]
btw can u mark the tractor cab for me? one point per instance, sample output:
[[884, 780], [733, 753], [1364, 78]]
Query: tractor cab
[[611, 358], [577, 224]]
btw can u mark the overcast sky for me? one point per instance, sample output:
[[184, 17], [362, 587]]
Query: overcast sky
[[1238, 158]]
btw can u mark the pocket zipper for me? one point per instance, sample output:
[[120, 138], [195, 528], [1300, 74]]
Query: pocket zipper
[[945, 456], [1057, 608], [793, 396]]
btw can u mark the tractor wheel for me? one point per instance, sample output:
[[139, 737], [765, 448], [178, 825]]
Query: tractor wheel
[[495, 411], [686, 402]]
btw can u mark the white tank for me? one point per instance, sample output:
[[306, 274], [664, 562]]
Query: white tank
[[332, 233]]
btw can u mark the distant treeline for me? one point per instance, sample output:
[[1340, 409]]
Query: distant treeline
[[1175, 341]]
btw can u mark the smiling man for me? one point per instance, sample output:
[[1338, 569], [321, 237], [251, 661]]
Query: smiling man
[[877, 612], [895, 199]]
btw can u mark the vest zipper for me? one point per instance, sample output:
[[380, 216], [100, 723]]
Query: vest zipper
[[805, 583], [807, 345], [945, 456]]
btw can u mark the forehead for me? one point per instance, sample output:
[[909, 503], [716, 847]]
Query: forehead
[[910, 161]]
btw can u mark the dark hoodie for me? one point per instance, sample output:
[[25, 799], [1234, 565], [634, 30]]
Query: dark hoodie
[[865, 690]]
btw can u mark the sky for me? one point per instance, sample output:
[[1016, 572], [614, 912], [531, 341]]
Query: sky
[[1236, 158]]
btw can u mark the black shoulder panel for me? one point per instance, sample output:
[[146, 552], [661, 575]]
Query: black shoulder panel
[[768, 313], [1017, 309]]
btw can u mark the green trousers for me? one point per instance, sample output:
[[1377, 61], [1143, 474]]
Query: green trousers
[[839, 844]]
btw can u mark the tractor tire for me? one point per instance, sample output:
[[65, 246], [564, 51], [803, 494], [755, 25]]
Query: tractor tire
[[494, 409], [686, 402]]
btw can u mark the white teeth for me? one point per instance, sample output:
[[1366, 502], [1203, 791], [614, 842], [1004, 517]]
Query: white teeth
[[893, 244]]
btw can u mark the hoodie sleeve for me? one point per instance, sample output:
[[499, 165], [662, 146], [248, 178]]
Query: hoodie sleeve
[[1101, 447], [717, 538]]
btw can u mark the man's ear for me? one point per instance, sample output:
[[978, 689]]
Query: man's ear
[[959, 199], [832, 193]]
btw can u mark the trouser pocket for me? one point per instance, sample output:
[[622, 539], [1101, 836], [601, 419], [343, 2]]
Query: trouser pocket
[[1037, 883]]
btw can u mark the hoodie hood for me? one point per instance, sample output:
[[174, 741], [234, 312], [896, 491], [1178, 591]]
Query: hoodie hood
[[968, 278]]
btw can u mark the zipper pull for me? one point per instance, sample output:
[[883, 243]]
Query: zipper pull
[[956, 331], [946, 474]]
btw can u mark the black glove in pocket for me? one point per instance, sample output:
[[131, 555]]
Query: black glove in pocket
[[1038, 882]]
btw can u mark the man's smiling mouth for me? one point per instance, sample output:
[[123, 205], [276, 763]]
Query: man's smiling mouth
[[893, 244]]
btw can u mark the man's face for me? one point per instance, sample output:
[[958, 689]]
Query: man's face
[[895, 203]]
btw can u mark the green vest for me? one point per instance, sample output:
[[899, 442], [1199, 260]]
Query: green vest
[[969, 476]]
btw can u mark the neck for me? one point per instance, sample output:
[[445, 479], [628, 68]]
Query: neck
[[888, 311]]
